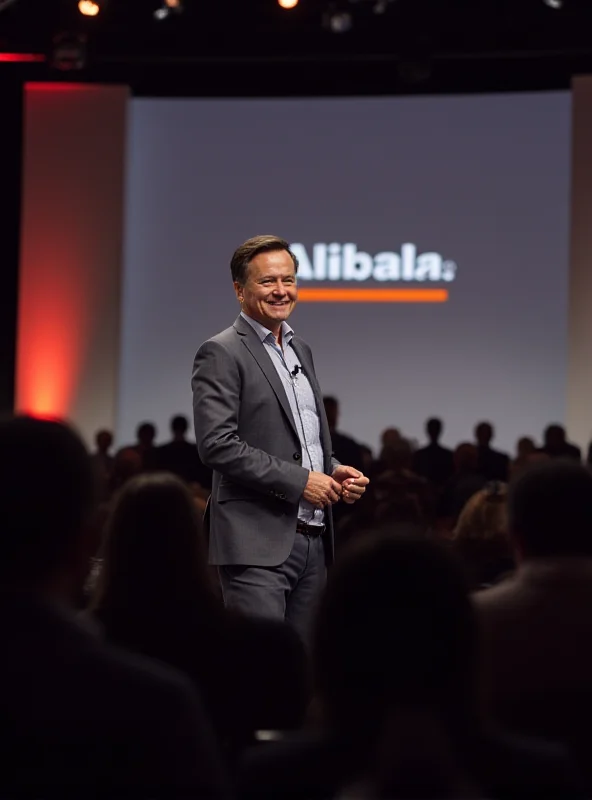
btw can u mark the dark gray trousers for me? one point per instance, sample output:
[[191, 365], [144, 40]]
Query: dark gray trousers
[[287, 592]]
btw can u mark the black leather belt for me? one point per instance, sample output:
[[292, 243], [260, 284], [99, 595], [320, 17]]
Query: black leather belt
[[310, 530]]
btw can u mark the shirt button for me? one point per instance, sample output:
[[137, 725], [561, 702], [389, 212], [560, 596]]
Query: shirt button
[[297, 456]]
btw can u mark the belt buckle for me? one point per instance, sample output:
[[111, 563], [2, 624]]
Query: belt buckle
[[311, 530]]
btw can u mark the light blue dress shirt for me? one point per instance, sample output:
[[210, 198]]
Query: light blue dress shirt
[[302, 404]]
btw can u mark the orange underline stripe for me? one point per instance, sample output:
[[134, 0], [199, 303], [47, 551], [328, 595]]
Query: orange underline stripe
[[335, 295]]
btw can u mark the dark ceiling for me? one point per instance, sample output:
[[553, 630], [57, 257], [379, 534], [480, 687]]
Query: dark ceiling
[[253, 47]]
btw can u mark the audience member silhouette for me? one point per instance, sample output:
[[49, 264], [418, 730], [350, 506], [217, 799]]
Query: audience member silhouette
[[464, 483], [493, 465], [79, 718], [537, 625], [398, 494], [481, 538], [181, 457], [127, 464], [556, 444], [526, 454], [396, 635], [144, 447], [434, 462], [155, 596], [102, 462], [345, 449]]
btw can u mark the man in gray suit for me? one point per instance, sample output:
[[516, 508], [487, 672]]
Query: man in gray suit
[[261, 426]]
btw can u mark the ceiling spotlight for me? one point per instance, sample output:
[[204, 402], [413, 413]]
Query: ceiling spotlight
[[339, 21], [287, 3], [556, 4], [89, 8], [168, 7]]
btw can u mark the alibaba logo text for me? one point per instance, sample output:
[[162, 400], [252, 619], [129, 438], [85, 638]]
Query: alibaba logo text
[[343, 274]]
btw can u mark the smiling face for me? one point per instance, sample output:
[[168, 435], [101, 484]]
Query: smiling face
[[269, 294]]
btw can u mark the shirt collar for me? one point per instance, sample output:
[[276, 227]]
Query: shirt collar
[[264, 333]]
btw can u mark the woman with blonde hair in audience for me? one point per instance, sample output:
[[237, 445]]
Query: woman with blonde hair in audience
[[481, 536], [155, 596]]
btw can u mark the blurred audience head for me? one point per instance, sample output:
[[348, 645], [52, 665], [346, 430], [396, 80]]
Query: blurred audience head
[[104, 441], [154, 551], [484, 434], [466, 458], [47, 497], [332, 411], [554, 437], [434, 429], [179, 426], [550, 510], [485, 515], [146, 434], [525, 448], [395, 631], [127, 464], [390, 436], [397, 456]]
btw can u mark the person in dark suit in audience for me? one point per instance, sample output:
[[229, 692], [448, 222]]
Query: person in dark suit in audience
[[181, 457], [493, 465], [556, 444], [396, 639], [537, 625], [79, 718], [434, 462]]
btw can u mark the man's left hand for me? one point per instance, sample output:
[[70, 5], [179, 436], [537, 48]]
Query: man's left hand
[[353, 483]]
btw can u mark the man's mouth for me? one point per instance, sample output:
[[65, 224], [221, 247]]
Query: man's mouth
[[278, 302]]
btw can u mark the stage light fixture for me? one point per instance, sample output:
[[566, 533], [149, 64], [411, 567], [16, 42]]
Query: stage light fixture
[[555, 4], [287, 3], [89, 8], [167, 8]]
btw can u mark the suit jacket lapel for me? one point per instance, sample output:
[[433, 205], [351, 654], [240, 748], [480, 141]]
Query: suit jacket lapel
[[257, 349]]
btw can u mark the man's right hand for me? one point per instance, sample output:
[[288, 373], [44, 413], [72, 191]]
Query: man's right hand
[[321, 490]]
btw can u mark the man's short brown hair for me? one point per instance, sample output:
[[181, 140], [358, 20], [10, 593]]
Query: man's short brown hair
[[244, 254]]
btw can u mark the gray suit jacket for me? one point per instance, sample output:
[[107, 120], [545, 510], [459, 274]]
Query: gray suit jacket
[[245, 432]]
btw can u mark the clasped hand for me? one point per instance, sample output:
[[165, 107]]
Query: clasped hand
[[345, 483]]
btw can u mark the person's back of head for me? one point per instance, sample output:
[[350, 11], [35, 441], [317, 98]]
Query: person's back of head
[[179, 426], [434, 429], [484, 517], [396, 626], [554, 438], [484, 434], [525, 447], [466, 458], [47, 496], [550, 510], [154, 554], [390, 436], [397, 456], [104, 441], [146, 434]]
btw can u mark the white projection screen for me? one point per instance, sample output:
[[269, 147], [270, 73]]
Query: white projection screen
[[446, 219]]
